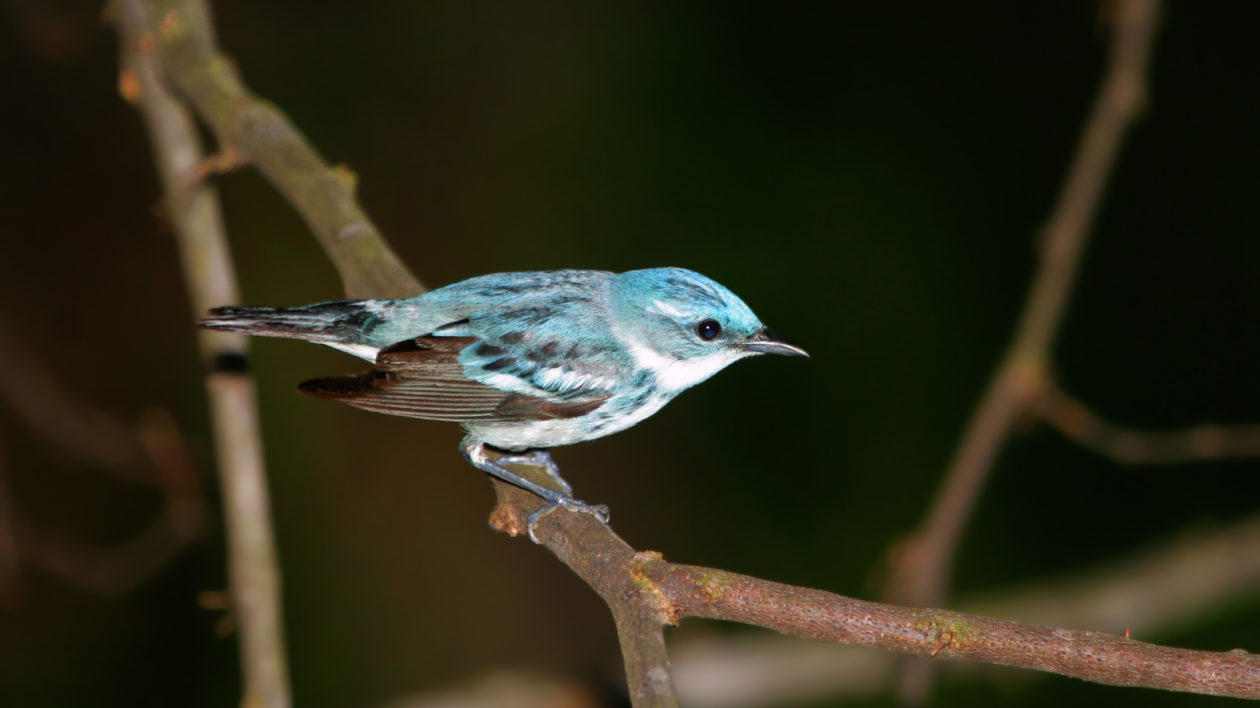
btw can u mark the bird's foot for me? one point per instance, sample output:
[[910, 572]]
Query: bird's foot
[[539, 458], [599, 511], [475, 452]]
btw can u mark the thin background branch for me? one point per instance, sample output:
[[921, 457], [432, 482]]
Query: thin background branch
[[150, 452], [1130, 446], [197, 220], [63, 420], [10, 561], [922, 569], [120, 568]]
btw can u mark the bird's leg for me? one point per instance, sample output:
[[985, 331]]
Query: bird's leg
[[475, 452], [538, 458]]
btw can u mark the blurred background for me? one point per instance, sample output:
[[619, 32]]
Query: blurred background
[[869, 177]]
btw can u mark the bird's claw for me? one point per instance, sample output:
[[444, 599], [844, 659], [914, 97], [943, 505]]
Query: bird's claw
[[599, 511], [539, 458]]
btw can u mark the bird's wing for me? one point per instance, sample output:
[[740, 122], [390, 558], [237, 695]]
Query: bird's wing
[[539, 334], [424, 378], [555, 368]]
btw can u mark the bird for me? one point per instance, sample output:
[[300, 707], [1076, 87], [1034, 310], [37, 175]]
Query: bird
[[527, 361]]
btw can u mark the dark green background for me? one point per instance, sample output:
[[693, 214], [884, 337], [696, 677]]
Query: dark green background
[[870, 177]]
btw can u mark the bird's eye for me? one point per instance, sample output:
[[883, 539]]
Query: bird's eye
[[708, 330]]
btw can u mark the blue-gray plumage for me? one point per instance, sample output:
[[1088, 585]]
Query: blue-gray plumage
[[527, 361]]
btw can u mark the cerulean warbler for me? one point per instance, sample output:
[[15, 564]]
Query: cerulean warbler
[[527, 361]]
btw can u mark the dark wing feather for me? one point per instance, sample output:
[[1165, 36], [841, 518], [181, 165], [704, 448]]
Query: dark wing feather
[[423, 378]]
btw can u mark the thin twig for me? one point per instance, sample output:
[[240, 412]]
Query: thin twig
[[643, 584], [150, 452], [11, 579], [197, 221], [921, 570], [115, 570], [65, 421], [1131, 446], [120, 568]]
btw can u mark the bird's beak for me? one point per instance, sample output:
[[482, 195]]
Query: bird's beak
[[764, 342]]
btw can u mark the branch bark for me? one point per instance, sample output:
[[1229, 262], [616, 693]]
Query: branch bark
[[195, 214], [644, 586], [1152, 593]]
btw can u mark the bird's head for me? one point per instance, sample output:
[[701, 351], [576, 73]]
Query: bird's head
[[686, 327]]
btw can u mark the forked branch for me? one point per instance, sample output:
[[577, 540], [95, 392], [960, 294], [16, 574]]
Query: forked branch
[[651, 593], [921, 568]]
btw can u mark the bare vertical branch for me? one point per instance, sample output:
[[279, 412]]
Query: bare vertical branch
[[920, 573], [195, 214]]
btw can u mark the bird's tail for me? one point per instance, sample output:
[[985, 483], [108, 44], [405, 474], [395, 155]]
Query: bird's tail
[[343, 321]]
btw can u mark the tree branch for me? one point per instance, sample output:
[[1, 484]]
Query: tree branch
[[643, 585], [920, 565], [120, 568], [813, 614], [65, 421], [10, 560], [151, 451], [196, 217], [1131, 446], [603, 561], [1152, 593], [259, 132], [921, 568]]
